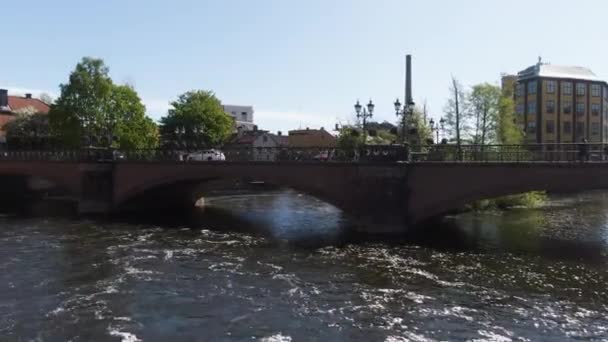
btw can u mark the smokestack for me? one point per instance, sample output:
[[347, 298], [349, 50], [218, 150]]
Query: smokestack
[[408, 79], [3, 98]]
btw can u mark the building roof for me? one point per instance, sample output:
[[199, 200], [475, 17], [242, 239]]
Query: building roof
[[16, 103], [311, 138], [559, 71]]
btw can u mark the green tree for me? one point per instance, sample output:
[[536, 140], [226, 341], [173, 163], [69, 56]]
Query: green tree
[[91, 105], [507, 130], [29, 129], [201, 116], [484, 101], [420, 132], [132, 128], [457, 115]]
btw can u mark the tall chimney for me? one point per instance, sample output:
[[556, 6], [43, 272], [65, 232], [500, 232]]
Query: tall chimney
[[408, 79], [3, 98]]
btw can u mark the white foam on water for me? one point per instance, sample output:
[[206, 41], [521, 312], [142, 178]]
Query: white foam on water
[[57, 311], [276, 338], [125, 336], [168, 254]]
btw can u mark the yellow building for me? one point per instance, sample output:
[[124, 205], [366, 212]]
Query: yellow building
[[561, 104]]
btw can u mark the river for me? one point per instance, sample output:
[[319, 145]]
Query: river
[[284, 267]]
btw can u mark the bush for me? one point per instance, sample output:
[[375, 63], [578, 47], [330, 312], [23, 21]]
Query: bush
[[531, 199]]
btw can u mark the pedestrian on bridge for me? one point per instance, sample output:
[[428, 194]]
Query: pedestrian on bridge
[[583, 151]]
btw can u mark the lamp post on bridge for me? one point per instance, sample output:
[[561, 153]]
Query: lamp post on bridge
[[436, 126], [367, 112], [405, 113]]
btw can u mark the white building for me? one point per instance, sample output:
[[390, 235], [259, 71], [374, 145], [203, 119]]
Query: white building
[[242, 115]]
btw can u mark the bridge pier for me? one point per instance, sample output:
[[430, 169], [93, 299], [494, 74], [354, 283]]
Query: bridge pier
[[97, 184]]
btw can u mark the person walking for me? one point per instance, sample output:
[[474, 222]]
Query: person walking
[[583, 151]]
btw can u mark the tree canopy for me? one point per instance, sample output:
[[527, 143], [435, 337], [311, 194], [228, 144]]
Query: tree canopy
[[200, 119], [484, 101], [91, 107]]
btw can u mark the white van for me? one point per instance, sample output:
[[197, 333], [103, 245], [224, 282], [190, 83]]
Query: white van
[[205, 155]]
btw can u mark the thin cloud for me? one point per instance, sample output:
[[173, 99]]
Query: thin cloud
[[18, 91]]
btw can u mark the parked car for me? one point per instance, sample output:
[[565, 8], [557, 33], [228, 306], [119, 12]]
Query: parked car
[[322, 156], [206, 155]]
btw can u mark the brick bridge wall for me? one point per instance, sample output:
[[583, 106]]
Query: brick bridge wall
[[410, 193], [63, 174], [360, 190], [437, 188]]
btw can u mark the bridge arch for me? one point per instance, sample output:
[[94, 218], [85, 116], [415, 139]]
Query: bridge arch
[[346, 186]]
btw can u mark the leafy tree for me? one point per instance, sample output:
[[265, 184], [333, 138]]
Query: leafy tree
[[132, 128], [457, 115], [91, 105], [484, 101], [29, 129], [202, 118], [507, 130], [349, 138], [420, 132], [83, 104]]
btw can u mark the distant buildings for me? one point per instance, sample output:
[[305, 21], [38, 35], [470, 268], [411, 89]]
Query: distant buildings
[[242, 115], [560, 104], [255, 145], [311, 138], [12, 105]]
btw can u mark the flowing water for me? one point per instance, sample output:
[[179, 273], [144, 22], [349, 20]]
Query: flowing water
[[282, 267]]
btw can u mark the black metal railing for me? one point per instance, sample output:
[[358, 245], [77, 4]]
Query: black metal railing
[[593, 152], [366, 154]]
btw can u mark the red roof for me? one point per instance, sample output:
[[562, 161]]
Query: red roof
[[18, 102]]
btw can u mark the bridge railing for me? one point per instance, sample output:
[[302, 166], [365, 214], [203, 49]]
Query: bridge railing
[[366, 154], [510, 153]]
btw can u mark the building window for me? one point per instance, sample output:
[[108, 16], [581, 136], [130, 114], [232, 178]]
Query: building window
[[551, 106], [532, 87], [567, 127], [580, 109], [595, 109], [595, 128], [580, 129], [551, 87], [567, 88], [265, 138], [550, 127], [596, 90], [244, 115], [532, 127], [580, 89], [234, 114], [519, 109], [519, 90], [567, 107], [532, 107]]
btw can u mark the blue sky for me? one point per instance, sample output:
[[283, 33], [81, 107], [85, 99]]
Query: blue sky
[[299, 63]]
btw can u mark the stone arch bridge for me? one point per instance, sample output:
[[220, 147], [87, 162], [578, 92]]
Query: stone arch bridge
[[404, 193]]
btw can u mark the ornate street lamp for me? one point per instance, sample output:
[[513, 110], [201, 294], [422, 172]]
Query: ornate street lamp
[[364, 112], [405, 114], [436, 127]]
